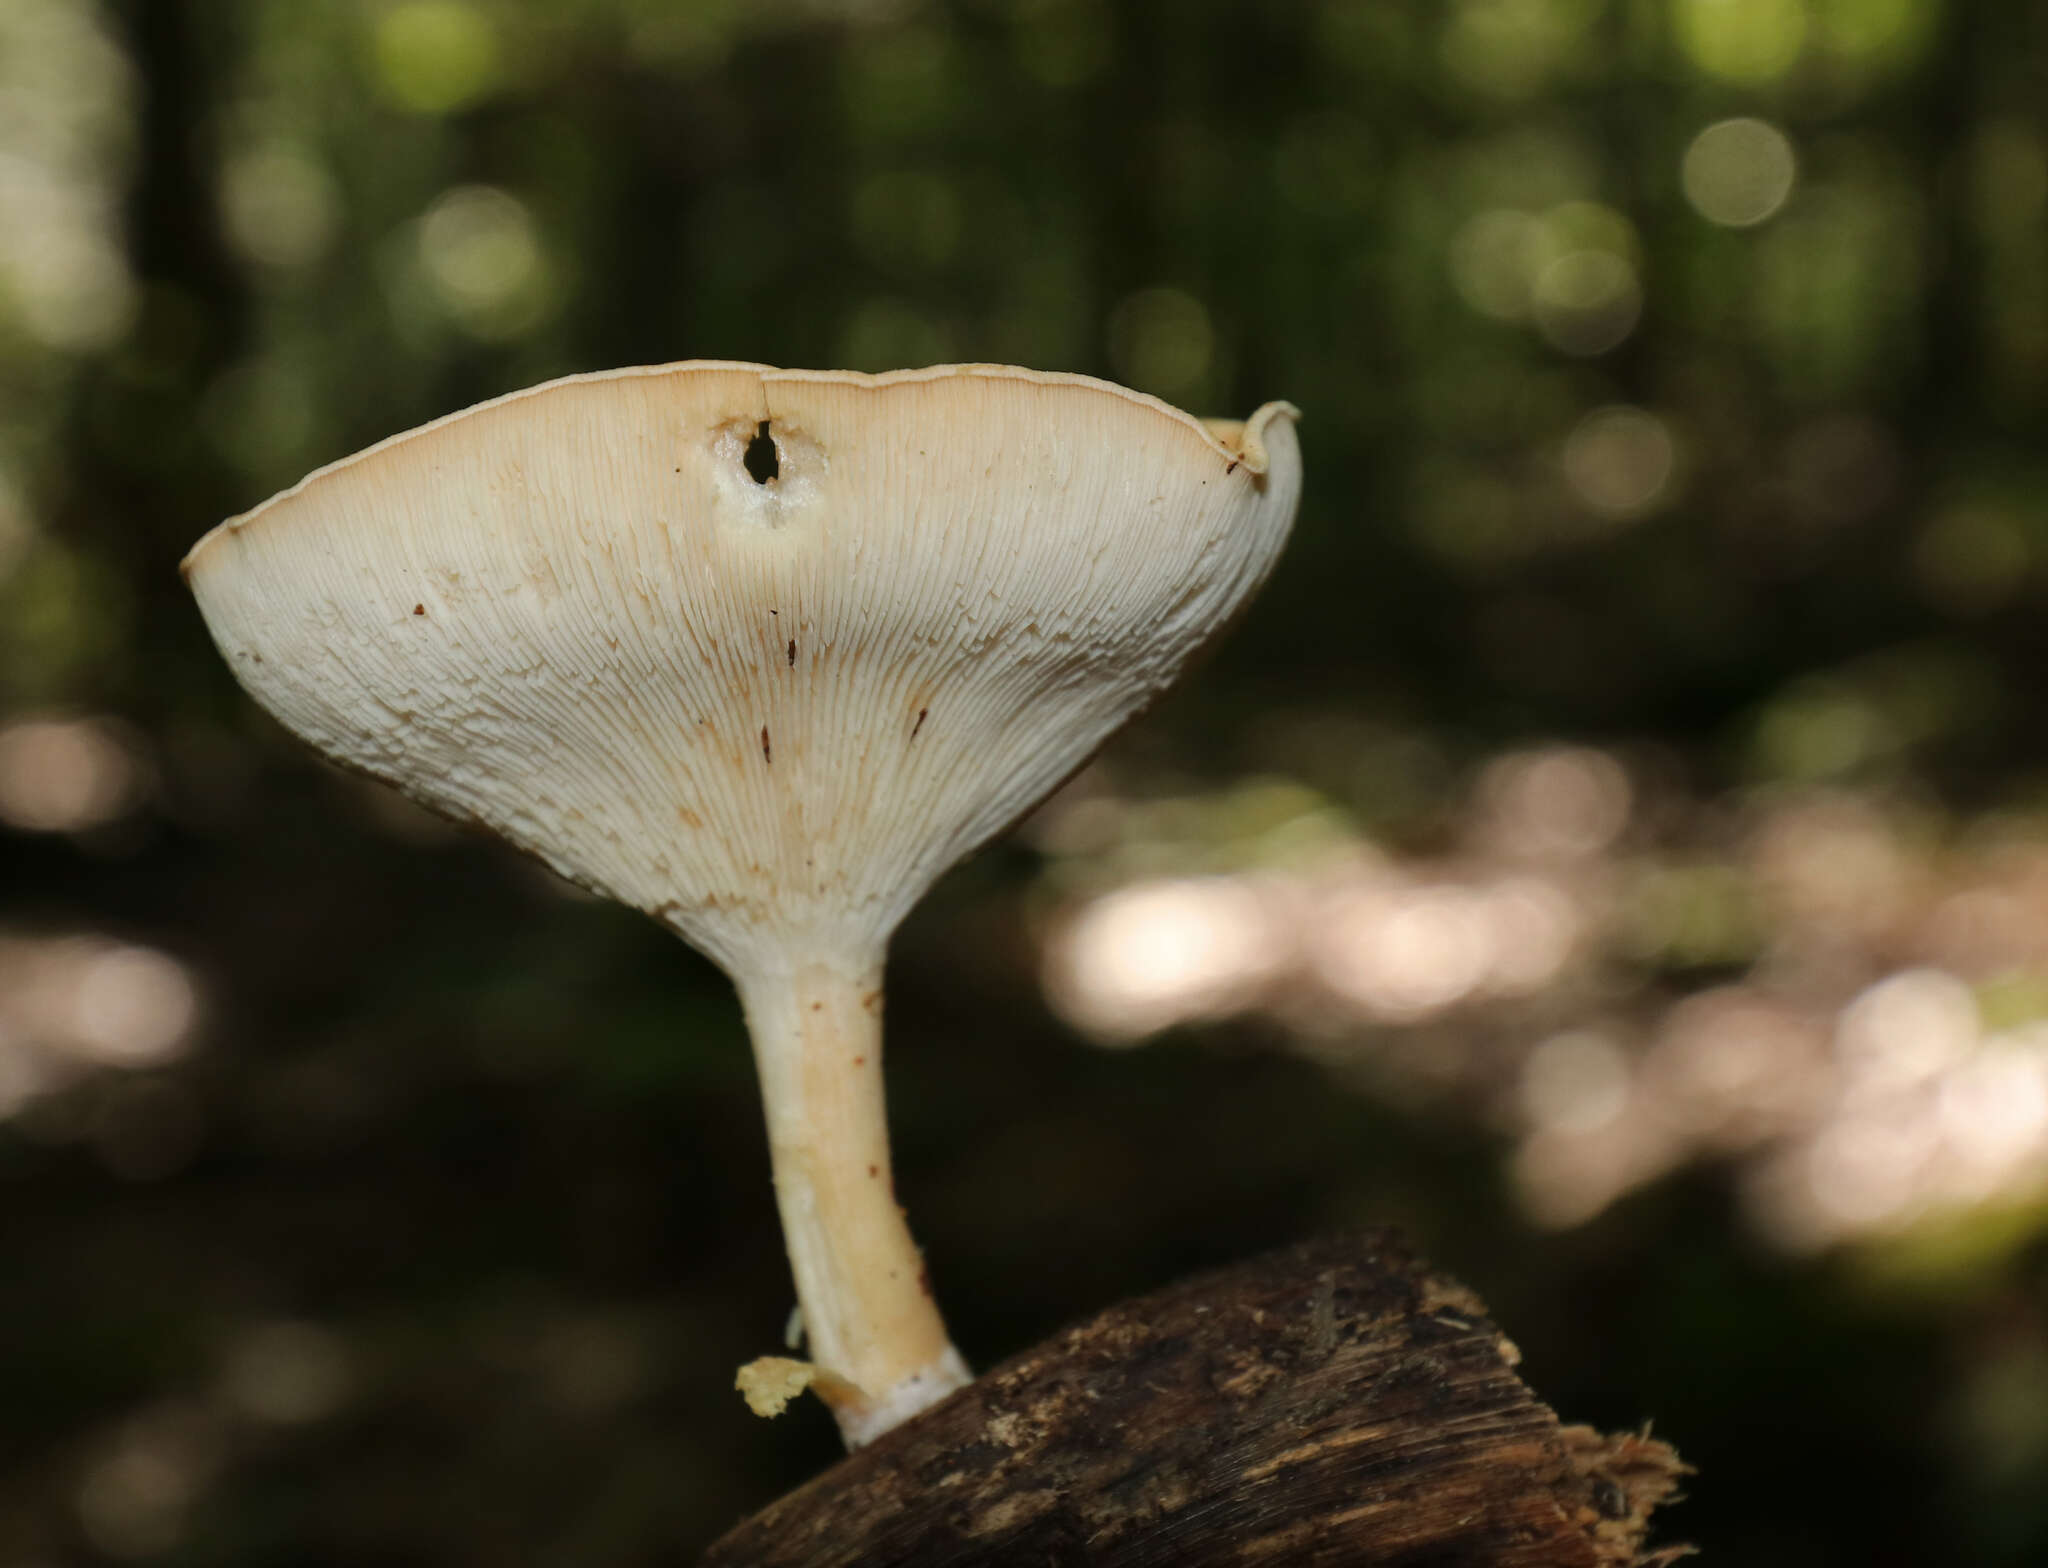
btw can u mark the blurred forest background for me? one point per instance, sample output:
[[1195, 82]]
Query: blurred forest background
[[1615, 848]]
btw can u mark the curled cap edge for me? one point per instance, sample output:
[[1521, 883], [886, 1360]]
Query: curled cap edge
[[1245, 439]]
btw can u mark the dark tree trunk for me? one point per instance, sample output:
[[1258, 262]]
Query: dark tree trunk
[[1336, 1403]]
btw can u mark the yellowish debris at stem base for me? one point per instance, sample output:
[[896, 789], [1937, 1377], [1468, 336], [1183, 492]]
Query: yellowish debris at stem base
[[771, 1382]]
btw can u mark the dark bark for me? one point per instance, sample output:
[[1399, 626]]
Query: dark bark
[[1335, 1403]]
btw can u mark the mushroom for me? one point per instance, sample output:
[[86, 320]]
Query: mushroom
[[762, 653]]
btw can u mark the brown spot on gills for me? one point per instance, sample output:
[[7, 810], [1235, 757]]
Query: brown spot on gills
[[874, 1170], [767, 750], [419, 609], [1231, 466], [860, 1061], [921, 712], [872, 1000], [688, 818], [792, 653]]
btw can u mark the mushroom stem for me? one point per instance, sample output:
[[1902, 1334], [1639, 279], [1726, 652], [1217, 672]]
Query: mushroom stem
[[875, 1333]]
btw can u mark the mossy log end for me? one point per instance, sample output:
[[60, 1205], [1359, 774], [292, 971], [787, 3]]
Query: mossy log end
[[1338, 1402]]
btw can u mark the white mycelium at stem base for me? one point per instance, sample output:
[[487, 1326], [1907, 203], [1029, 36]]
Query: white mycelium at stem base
[[768, 708]]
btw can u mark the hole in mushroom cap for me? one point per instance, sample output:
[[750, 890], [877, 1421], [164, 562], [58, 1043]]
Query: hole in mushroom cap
[[762, 461]]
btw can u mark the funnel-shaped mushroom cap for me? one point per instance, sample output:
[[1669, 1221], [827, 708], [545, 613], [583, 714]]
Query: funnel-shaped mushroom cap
[[767, 701], [766, 689]]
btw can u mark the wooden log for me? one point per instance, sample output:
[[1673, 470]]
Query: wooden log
[[1335, 1403]]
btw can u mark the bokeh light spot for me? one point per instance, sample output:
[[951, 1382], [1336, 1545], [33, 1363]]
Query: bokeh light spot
[[135, 1497], [1994, 1107], [1560, 802], [1751, 42], [1865, 1169], [1161, 340], [133, 1005], [80, 1002], [1820, 729], [1507, 49], [1905, 1029], [1738, 172], [434, 56], [1151, 955], [65, 775], [1494, 257], [1868, 35], [481, 252], [1587, 302], [1402, 953], [280, 208], [1575, 1082], [289, 1372], [1620, 460], [65, 94]]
